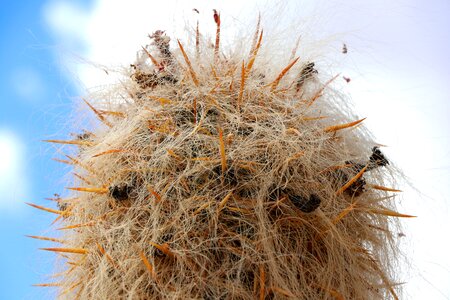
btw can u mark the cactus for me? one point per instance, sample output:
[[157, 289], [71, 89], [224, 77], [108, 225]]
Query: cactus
[[214, 176]]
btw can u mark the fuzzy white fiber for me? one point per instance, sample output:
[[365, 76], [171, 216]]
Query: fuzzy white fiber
[[227, 171]]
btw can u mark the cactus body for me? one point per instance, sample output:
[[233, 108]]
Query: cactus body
[[214, 176]]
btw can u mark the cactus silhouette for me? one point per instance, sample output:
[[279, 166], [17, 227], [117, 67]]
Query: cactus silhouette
[[219, 174]]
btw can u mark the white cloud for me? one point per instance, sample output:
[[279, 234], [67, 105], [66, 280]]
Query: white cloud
[[66, 20], [13, 176]]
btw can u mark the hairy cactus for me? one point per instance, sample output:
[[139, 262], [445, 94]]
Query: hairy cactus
[[225, 176]]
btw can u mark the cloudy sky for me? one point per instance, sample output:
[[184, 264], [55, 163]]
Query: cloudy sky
[[397, 61]]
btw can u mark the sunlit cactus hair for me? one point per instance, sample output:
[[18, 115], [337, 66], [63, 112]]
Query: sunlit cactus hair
[[224, 173]]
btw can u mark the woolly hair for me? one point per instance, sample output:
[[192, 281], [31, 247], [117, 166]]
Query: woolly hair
[[214, 174]]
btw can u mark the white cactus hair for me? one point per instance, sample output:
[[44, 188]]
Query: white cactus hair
[[221, 171]]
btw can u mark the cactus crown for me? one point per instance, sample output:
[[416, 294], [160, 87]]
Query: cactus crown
[[214, 176]]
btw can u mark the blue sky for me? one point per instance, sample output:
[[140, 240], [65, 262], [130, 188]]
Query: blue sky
[[35, 98], [398, 62]]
